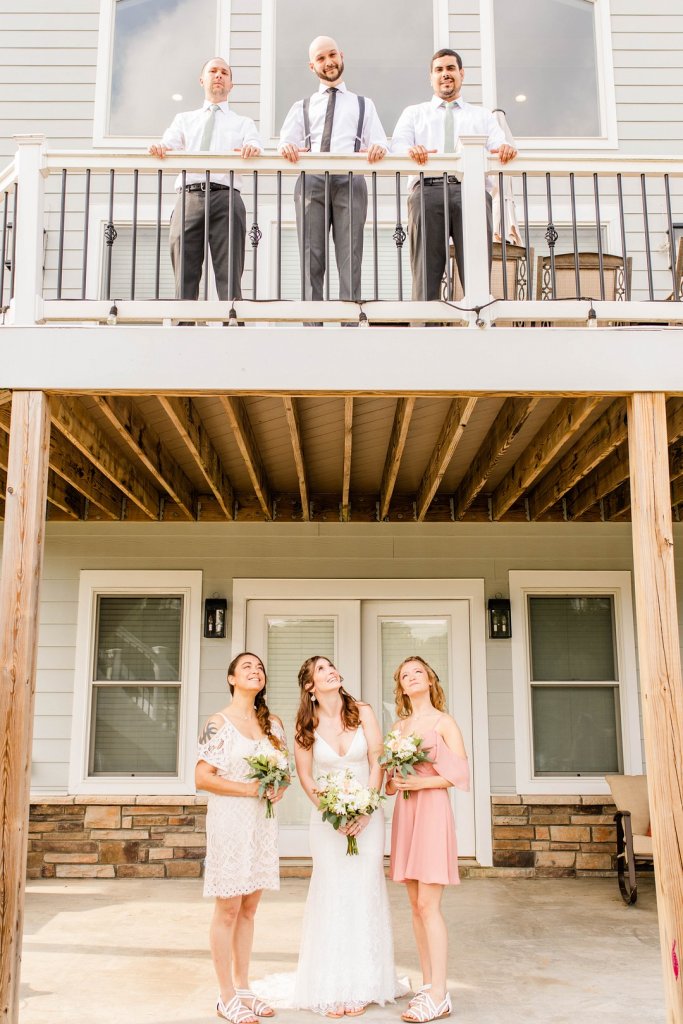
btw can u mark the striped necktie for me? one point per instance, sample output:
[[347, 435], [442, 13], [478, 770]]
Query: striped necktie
[[448, 129], [207, 134], [326, 140]]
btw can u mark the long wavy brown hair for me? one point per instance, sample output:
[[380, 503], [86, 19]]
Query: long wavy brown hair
[[307, 715], [260, 706], [404, 707]]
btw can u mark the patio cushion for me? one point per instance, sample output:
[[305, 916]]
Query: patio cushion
[[642, 846], [630, 794]]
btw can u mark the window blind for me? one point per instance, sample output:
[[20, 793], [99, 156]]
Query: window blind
[[134, 730], [138, 638], [572, 639]]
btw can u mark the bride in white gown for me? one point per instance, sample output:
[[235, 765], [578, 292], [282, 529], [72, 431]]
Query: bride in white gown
[[347, 951]]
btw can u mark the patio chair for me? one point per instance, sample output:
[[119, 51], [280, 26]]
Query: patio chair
[[516, 268], [677, 295], [634, 839], [617, 283]]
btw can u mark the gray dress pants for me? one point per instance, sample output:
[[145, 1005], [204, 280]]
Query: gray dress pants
[[430, 287], [219, 240], [348, 239]]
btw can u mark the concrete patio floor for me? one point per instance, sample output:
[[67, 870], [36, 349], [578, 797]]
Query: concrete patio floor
[[549, 951]]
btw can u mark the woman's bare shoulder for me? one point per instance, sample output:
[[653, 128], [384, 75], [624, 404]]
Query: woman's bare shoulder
[[211, 727]]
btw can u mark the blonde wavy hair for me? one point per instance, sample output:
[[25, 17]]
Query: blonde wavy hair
[[404, 707]]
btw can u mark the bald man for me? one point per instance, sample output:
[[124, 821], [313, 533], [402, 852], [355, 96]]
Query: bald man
[[332, 120]]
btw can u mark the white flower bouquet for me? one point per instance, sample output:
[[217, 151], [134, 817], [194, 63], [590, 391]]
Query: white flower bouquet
[[402, 753], [272, 772], [342, 799]]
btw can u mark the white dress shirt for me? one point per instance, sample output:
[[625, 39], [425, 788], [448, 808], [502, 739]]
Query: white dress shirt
[[423, 125], [344, 126], [230, 132]]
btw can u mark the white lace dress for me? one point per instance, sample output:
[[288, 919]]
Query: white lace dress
[[241, 843], [347, 946]]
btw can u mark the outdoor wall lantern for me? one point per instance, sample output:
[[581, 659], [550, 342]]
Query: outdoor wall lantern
[[215, 615], [500, 625]]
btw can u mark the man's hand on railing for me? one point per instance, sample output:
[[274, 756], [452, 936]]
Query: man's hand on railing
[[420, 154], [505, 153], [158, 149], [375, 153], [291, 152], [248, 151]]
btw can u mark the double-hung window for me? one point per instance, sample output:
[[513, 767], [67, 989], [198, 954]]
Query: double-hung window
[[135, 708]]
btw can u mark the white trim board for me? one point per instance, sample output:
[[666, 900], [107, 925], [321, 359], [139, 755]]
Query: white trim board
[[616, 584]]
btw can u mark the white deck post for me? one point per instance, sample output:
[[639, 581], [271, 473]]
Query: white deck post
[[475, 242], [29, 226]]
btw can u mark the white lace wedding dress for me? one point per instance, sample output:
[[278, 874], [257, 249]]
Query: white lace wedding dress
[[347, 947]]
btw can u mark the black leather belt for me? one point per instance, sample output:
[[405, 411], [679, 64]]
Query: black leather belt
[[200, 186], [452, 180]]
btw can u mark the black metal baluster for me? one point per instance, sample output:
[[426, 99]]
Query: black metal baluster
[[60, 251], [423, 237], [4, 248], [503, 239], [667, 193], [551, 235], [327, 235], [351, 295], [13, 257], [447, 238], [622, 229], [110, 235], [575, 236], [231, 236], [207, 219], [278, 242], [375, 256], [157, 266], [598, 229], [86, 228], [302, 243], [255, 236], [648, 252], [527, 243], [399, 237], [134, 252], [181, 261]]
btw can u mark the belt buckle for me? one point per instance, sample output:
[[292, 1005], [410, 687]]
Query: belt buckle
[[202, 186]]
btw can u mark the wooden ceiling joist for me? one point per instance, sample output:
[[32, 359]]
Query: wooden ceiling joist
[[346, 467], [507, 424], [59, 493], [184, 416], [236, 412], [677, 492], [397, 443], [565, 420], [601, 438], [72, 419], [449, 438], [147, 446], [294, 423], [5, 396]]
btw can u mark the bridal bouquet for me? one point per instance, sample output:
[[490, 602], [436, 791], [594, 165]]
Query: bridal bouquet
[[272, 771], [342, 799], [402, 753]]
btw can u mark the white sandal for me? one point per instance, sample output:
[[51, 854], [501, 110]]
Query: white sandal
[[258, 1006], [427, 1010], [235, 1012], [419, 995]]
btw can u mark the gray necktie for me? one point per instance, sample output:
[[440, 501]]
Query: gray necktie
[[448, 129], [208, 127], [329, 118]]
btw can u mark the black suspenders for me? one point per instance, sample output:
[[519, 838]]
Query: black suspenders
[[359, 130]]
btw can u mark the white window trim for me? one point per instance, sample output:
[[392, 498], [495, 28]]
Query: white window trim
[[618, 586], [608, 139], [270, 132], [92, 584], [105, 46], [471, 590]]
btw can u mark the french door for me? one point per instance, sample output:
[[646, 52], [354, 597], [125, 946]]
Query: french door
[[366, 640]]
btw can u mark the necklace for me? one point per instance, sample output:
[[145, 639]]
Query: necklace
[[244, 718]]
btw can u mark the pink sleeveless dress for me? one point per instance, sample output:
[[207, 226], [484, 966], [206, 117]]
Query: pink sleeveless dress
[[423, 843]]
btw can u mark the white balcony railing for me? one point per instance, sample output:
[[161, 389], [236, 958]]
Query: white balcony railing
[[84, 238]]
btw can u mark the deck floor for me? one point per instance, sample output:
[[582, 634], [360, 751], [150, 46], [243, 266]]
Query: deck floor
[[533, 951]]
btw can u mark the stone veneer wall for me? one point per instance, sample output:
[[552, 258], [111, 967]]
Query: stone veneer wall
[[164, 836], [554, 836]]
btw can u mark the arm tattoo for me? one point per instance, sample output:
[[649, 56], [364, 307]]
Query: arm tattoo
[[210, 730]]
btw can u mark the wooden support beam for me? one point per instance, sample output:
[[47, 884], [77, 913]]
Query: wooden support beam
[[146, 444], [75, 423], [449, 438], [183, 414], [677, 493], [236, 412], [5, 397], [294, 424], [78, 472], [397, 443], [565, 420], [59, 493], [346, 471], [22, 557], [601, 438], [661, 684], [608, 475], [507, 424]]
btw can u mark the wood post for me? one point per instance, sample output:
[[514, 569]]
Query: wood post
[[22, 556], [660, 673]]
